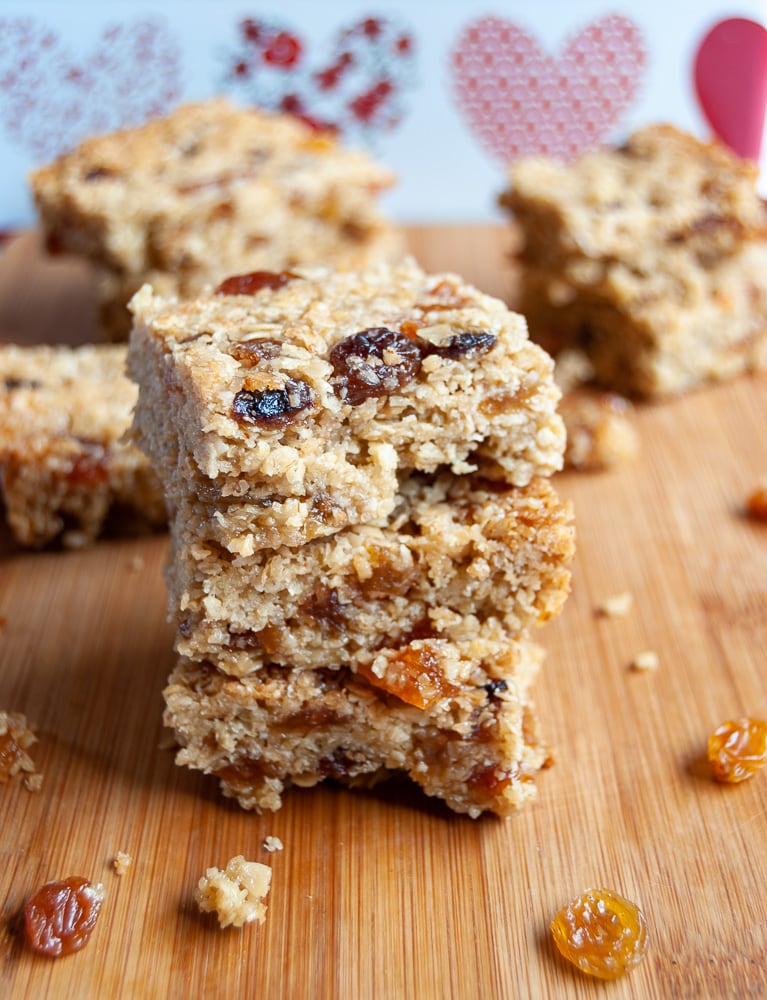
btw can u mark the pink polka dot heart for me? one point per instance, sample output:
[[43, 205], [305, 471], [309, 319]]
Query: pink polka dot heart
[[519, 100], [51, 98]]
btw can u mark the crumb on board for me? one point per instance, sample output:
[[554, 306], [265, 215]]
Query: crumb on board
[[237, 895], [645, 661], [756, 504], [136, 564], [616, 606], [272, 844], [572, 369], [121, 862], [16, 737], [33, 782], [600, 430]]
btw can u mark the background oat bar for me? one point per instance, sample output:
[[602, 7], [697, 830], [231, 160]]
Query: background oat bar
[[63, 463], [210, 190], [651, 258]]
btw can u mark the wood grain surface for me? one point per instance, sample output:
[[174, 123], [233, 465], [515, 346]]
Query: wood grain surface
[[387, 894]]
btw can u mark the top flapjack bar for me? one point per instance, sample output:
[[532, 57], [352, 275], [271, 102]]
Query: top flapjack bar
[[209, 190], [307, 393], [650, 257]]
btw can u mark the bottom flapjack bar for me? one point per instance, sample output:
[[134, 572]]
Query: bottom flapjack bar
[[473, 744]]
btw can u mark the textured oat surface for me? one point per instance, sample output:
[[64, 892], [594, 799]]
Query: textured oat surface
[[466, 390], [63, 464], [651, 257], [455, 554], [473, 744], [208, 191]]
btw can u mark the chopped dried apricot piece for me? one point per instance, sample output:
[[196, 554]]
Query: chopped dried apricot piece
[[60, 917], [414, 674], [738, 749], [601, 933]]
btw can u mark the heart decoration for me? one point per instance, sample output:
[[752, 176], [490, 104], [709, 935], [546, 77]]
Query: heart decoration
[[50, 100], [518, 100], [730, 77], [360, 86]]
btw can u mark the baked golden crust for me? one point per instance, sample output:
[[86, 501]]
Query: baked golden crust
[[210, 190]]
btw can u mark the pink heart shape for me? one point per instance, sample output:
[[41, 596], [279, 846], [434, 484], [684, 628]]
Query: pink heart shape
[[359, 86], [731, 83], [50, 100], [518, 100]]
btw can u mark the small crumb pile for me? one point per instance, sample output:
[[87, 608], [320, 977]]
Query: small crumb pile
[[600, 425], [122, 862], [272, 844], [645, 661], [236, 895], [617, 606]]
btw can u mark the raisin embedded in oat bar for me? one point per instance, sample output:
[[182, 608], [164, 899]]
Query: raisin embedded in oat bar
[[308, 399], [211, 189], [456, 720], [455, 554], [63, 464], [651, 258]]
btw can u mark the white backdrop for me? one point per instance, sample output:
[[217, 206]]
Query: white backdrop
[[406, 79]]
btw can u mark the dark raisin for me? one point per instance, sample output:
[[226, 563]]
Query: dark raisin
[[21, 383], [470, 344], [273, 407], [99, 174], [339, 766], [311, 718], [495, 687], [251, 352], [326, 608], [249, 284], [325, 510], [373, 362]]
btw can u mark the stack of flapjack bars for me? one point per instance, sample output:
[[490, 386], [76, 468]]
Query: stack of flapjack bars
[[363, 532]]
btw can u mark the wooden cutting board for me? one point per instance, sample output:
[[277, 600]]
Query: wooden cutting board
[[387, 894]]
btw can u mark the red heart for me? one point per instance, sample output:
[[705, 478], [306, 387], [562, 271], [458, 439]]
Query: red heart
[[518, 100], [49, 101], [359, 86], [731, 83]]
